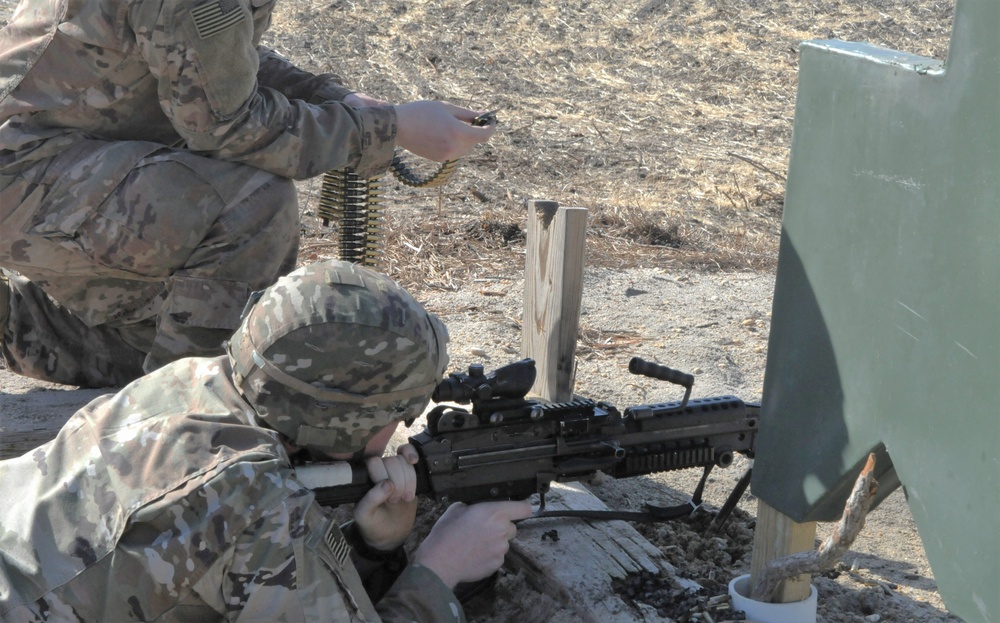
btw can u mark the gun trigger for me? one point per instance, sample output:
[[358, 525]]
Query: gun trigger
[[543, 481]]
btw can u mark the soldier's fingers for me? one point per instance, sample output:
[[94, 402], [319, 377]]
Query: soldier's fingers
[[408, 452], [376, 496], [459, 112], [402, 475], [483, 134], [376, 469]]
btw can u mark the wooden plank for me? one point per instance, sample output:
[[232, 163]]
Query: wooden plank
[[553, 294], [776, 535], [32, 412], [578, 560], [16, 443]]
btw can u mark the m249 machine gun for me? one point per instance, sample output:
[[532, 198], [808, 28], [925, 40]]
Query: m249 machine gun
[[505, 446]]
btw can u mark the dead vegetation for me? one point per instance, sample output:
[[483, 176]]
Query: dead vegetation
[[669, 119]]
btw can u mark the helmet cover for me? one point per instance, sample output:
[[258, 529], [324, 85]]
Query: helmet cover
[[333, 352]]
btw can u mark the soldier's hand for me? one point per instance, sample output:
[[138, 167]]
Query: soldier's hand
[[438, 130], [469, 543], [386, 514]]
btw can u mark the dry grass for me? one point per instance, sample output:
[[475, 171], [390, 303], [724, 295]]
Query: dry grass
[[669, 119]]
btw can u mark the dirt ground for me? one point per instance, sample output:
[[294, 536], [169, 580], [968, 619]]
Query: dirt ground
[[670, 120]]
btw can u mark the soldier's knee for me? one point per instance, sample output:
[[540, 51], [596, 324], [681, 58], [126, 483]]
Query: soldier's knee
[[272, 208], [262, 233], [286, 215], [282, 229], [282, 193]]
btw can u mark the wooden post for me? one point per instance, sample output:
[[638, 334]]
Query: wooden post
[[776, 535], [553, 294]]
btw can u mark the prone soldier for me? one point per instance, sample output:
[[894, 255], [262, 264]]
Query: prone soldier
[[176, 499]]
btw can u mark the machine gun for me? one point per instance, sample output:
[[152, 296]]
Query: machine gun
[[507, 446]]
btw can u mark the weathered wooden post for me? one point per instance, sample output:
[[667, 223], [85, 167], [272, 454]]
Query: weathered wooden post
[[607, 550], [553, 294], [776, 535]]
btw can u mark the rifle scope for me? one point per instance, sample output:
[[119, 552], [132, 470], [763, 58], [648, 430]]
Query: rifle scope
[[511, 381]]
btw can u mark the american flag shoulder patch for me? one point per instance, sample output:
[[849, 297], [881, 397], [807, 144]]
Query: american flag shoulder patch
[[215, 17], [337, 543]]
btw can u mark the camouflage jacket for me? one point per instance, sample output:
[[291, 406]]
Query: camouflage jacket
[[163, 503], [180, 73]]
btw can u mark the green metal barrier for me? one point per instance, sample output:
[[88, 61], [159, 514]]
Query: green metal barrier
[[886, 326]]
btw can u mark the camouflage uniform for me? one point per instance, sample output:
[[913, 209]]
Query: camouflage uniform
[[163, 502], [147, 149]]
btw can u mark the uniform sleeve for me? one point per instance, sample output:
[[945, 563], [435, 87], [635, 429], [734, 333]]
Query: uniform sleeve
[[270, 575], [287, 568], [277, 73], [203, 56], [420, 595], [378, 569], [404, 592]]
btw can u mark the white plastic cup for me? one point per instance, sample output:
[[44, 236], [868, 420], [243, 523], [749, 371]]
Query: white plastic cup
[[764, 612]]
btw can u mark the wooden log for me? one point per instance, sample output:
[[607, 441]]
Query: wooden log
[[553, 294], [576, 561], [775, 536]]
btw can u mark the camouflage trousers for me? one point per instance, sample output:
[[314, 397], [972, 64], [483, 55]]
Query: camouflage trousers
[[132, 255]]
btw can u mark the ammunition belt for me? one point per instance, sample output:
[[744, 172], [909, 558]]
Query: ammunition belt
[[354, 204]]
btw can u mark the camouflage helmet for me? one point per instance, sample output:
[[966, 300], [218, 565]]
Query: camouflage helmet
[[333, 352]]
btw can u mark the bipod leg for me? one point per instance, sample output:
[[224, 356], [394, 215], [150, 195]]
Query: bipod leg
[[700, 489], [731, 502]]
